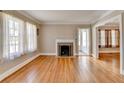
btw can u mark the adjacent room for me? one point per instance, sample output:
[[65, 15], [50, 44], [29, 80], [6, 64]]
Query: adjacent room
[[109, 42], [61, 46]]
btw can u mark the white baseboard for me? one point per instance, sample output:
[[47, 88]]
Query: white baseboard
[[48, 54], [93, 55], [14, 69], [75, 54], [109, 51], [122, 72], [51, 54]]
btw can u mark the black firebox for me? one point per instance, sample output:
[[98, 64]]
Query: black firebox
[[64, 50]]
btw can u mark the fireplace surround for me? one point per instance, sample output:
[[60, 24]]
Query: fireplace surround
[[64, 47]]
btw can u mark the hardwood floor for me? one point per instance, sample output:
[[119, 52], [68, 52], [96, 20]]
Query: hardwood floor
[[69, 70]]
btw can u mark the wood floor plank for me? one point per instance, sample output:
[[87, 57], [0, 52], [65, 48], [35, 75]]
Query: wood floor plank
[[50, 69]]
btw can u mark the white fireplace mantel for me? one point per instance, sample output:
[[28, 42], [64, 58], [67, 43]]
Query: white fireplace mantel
[[65, 41]]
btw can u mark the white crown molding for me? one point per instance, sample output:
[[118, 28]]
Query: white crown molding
[[42, 22], [39, 22], [108, 13], [105, 14], [50, 23], [29, 16]]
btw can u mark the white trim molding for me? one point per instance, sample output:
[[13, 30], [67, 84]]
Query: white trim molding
[[16, 68], [93, 55], [29, 16], [109, 51], [50, 54], [122, 72]]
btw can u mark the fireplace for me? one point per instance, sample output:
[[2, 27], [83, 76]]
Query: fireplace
[[65, 49]]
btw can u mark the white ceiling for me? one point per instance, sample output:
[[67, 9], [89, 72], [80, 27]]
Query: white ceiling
[[65, 16]]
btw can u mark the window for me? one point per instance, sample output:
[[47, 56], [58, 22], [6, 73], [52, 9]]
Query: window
[[18, 37], [102, 38], [113, 38], [84, 39], [31, 37], [109, 38], [13, 37]]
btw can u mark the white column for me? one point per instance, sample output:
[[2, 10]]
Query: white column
[[122, 43], [1, 36]]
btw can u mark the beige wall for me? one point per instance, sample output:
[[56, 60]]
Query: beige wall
[[50, 32]]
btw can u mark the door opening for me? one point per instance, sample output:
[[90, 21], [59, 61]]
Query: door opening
[[83, 41]]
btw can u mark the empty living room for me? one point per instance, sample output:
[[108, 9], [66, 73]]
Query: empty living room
[[61, 46]]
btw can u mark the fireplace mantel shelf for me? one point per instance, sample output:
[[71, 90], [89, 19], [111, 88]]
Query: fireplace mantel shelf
[[64, 40]]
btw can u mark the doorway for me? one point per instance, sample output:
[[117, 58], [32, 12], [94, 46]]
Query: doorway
[[108, 43], [83, 41]]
